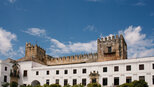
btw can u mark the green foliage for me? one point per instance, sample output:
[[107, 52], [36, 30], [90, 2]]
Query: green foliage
[[13, 84], [55, 85], [140, 83], [126, 85], [23, 86], [46, 85], [28, 86], [78, 85], [5, 85], [93, 85], [67, 85]]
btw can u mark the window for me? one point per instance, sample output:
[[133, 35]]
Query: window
[[153, 79], [74, 81], [153, 66], [128, 79], [84, 82], [116, 80], [65, 81], [57, 81], [84, 70], [57, 72], [109, 49], [128, 68], [47, 72], [65, 71], [5, 68], [116, 68], [94, 80], [104, 81], [47, 81], [74, 71], [37, 72], [141, 78], [5, 78], [25, 73], [141, 67], [104, 69]]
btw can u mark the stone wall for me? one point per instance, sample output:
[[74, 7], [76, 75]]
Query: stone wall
[[116, 45]]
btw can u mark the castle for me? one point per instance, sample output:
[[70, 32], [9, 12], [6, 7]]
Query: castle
[[109, 66], [111, 48]]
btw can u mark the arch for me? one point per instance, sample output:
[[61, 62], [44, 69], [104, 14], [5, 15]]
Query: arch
[[35, 82]]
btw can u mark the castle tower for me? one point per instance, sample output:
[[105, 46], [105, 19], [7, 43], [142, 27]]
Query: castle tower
[[111, 48], [34, 52]]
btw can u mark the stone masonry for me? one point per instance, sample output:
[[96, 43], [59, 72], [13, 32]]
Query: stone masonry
[[111, 48]]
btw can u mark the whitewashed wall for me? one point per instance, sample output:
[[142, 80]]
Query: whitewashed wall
[[32, 67]]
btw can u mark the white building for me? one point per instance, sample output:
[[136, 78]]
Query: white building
[[110, 72], [4, 72]]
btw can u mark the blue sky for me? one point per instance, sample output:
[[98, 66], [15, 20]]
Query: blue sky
[[69, 27]]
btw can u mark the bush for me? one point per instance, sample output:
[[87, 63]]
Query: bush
[[55, 85], [67, 85], [78, 85], [23, 86], [13, 84], [93, 85], [5, 85], [46, 85], [140, 83]]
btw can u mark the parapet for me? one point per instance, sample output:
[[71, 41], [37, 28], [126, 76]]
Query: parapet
[[91, 57], [111, 38]]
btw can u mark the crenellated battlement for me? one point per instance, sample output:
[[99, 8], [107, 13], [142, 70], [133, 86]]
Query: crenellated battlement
[[82, 58], [110, 38], [108, 48]]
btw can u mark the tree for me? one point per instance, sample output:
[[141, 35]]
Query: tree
[[93, 85], [5, 85]]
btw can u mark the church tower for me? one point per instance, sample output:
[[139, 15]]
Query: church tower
[[111, 48]]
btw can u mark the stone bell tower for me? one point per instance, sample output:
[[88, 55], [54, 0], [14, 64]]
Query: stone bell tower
[[111, 48]]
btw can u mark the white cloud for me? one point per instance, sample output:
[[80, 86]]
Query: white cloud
[[58, 48], [90, 28], [12, 1], [137, 43], [36, 31], [6, 39]]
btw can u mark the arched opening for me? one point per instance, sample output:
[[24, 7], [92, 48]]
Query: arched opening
[[35, 83]]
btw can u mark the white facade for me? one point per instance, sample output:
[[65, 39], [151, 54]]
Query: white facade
[[146, 64], [4, 72]]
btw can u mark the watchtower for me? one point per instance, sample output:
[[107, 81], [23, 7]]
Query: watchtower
[[111, 48], [34, 52]]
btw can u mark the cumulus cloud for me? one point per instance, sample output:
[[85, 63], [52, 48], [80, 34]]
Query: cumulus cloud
[[6, 45], [36, 31], [58, 47], [6, 39], [138, 44]]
